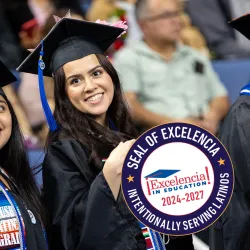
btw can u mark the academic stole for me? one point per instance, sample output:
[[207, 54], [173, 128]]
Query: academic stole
[[6, 201], [153, 239], [17, 236]]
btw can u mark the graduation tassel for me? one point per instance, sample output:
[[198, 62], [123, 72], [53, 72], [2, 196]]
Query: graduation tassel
[[47, 111]]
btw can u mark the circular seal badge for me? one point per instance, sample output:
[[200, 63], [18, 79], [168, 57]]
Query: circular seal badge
[[177, 179]]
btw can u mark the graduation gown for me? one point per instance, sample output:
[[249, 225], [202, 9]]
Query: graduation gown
[[83, 212], [231, 232]]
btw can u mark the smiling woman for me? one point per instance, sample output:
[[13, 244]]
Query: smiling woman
[[91, 134], [20, 205], [90, 89]]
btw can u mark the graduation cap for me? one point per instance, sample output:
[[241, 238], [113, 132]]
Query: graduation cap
[[69, 40], [162, 173], [6, 77], [242, 24]]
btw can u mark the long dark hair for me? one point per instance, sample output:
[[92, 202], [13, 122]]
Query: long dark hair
[[13, 159], [83, 127]]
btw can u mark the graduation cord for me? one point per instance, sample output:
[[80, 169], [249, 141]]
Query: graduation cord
[[46, 108], [164, 239]]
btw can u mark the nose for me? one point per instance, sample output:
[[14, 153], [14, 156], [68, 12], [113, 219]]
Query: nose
[[176, 19], [89, 85]]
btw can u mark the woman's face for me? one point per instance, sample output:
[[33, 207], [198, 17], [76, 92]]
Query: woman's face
[[5, 122], [89, 87]]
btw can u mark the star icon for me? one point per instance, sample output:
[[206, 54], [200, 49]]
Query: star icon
[[130, 179], [221, 162]]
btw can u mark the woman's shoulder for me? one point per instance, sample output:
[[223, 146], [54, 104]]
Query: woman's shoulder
[[67, 144], [65, 156]]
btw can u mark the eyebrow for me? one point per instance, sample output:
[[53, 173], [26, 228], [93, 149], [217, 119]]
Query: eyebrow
[[91, 70], [3, 102]]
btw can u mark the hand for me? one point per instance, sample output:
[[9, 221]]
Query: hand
[[114, 164], [30, 41], [211, 126], [113, 167]]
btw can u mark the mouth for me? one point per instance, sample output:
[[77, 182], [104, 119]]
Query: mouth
[[94, 99]]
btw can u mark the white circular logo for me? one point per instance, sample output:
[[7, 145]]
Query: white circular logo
[[172, 181]]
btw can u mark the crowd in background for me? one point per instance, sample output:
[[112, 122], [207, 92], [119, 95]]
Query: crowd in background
[[25, 22]]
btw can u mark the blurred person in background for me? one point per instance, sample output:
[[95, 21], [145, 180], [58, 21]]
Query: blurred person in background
[[85, 5], [21, 24], [17, 23], [9, 47], [78, 7], [124, 10], [110, 11], [212, 18], [192, 37], [114, 11], [164, 80], [135, 32], [41, 9], [101, 9]]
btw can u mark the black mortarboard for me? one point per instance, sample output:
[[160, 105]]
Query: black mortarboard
[[6, 77], [242, 25], [69, 40]]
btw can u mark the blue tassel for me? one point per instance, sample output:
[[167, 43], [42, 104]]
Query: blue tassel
[[47, 111]]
